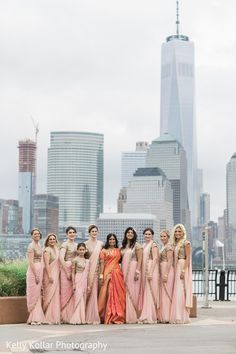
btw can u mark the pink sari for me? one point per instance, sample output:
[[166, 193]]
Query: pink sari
[[67, 295], [92, 315], [33, 292], [51, 292], [129, 266], [182, 294], [78, 316], [150, 288], [166, 288]]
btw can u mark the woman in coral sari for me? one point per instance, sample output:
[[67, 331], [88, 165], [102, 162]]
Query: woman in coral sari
[[166, 277], [150, 279], [131, 267], [182, 293], [111, 301], [80, 267], [34, 278], [94, 247], [67, 254], [51, 280]]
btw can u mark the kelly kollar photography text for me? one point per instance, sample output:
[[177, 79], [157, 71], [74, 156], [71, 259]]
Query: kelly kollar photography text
[[21, 346]]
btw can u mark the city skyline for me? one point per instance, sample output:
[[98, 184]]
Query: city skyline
[[97, 69]]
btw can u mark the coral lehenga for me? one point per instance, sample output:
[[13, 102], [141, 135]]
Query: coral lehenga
[[81, 266], [33, 290], [51, 291], [111, 300], [129, 266], [166, 288], [92, 315], [182, 293], [150, 288], [67, 293]]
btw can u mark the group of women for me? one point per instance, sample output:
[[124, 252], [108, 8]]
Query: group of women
[[91, 283]]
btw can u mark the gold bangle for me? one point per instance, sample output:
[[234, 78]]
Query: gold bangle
[[101, 276]]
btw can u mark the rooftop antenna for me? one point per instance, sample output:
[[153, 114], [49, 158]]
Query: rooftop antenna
[[36, 127], [177, 18]]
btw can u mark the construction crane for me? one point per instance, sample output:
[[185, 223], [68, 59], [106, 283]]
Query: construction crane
[[36, 127]]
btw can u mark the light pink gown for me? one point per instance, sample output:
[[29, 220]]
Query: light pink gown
[[51, 291], [182, 293], [67, 293], [150, 288], [92, 315], [33, 290], [133, 287], [81, 277], [166, 289]]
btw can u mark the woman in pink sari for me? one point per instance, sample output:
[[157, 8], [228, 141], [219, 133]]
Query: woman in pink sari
[[111, 300], [51, 280], [80, 267], [34, 278], [132, 254], [94, 247], [182, 293], [67, 254], [150, 279], [167, 277]]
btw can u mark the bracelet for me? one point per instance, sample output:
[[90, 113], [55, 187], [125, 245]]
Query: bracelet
[[183, 271], [101, 276], [137, 271]]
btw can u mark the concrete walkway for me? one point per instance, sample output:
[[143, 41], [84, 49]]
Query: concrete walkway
[[212, 332]]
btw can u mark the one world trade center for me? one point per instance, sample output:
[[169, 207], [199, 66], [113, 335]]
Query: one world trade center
[[178, 104]]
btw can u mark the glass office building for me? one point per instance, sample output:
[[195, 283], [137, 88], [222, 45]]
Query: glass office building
[[75, 176]]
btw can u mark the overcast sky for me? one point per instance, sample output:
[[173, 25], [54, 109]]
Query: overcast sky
[[94, 65]]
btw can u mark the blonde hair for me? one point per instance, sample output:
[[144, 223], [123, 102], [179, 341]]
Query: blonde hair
[[167, 232], [182, 240]]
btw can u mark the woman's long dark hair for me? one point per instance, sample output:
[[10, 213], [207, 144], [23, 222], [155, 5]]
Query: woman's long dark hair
[[125, 240], [107, 241]]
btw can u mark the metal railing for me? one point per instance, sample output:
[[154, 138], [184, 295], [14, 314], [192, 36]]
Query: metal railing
[[231, 284], [222, 284], [198, 283]]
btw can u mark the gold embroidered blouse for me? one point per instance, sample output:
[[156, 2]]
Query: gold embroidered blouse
[[38, 252], [70, 250], [163, 253]]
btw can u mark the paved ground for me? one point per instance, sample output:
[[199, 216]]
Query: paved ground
[[212, 332]]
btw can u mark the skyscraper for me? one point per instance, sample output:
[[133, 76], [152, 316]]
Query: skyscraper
[[204, 208], [131, 161], [168, 154], [231, 191], [177, 116], [231, 206], [27, 187], [10, 217], [46, 213], [149, 191], [75, 176]]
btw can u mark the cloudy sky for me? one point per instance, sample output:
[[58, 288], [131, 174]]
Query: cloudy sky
[[94, 65]]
